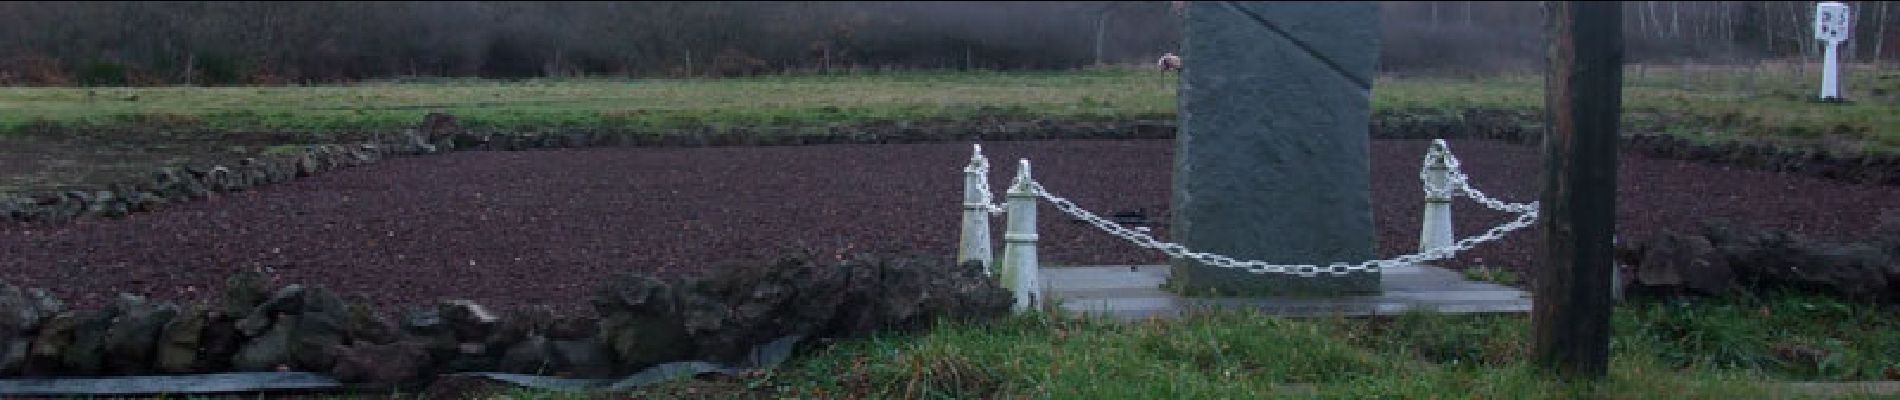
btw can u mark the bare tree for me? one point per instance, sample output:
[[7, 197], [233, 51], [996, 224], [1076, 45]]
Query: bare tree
[[1880, 36]]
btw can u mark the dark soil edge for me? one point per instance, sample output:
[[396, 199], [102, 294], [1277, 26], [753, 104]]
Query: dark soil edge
[[198, 181]]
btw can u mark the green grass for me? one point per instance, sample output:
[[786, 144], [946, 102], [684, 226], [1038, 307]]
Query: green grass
[[1488, 274], [617, 103], [1717, 102], [1713, 349], [1736, 348]]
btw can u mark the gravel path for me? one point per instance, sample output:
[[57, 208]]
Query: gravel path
[[542, 227]]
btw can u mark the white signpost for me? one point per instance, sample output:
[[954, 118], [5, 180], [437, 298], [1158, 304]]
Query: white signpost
[[1830, 25]]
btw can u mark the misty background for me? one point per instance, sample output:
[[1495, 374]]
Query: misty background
[[218, 43]]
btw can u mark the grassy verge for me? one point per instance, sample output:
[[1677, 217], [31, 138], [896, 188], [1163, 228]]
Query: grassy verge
[[1715, 349], [613, 103], [1727, 102], [1736, 348]]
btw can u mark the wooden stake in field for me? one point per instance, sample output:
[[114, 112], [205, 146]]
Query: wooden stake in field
[[1582, 97]]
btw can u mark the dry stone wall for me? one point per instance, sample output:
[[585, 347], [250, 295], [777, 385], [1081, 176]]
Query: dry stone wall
[[639, 321], [1724, 257]]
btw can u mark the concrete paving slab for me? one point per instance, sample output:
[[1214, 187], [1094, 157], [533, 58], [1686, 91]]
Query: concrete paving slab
[[1134, 292]]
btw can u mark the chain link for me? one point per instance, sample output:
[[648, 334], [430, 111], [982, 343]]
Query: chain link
[[981, 167], [1526, 216], [1432, 158], [1458, 179]]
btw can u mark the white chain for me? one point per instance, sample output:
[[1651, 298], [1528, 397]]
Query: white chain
[[1457, 179], [981, 166], [1432, 157], [1527, 215]]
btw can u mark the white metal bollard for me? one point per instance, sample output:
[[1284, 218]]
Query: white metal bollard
[[1616, 274], [975, 242], [1019, 242], [1435, 231]]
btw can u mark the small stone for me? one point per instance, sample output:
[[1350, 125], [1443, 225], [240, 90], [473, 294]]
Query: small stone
[[178, 343], [44, 354], [141, 201], [435, 125], [518, 325], [288, 300], [631, 292], [22, 311], [219, 179], [133, 337], [220, 343], [365, 324], [108, 204], [469, 321], [55, 335], [306, 165], [79, 198], [13, 353], [425, 325], [243, 291], [1687, 261], [10, 209], [585, 358], [280, 170], [322, 324], [86, 354], [643, 341], [265, 353], [423, 322], [380, 364], [573, 328], [530, 356]]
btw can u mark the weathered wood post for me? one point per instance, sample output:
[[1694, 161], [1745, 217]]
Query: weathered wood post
[[1571, 316], [975, 242], [1019, 242], [1435, 230]]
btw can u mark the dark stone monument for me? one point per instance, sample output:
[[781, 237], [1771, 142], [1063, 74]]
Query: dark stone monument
[[1271, 162]]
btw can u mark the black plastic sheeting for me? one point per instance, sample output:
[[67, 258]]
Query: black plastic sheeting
[[182, 384], [766, 356]]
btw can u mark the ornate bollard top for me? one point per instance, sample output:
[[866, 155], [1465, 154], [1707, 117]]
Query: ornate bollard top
[[1435, 156], [978, 164], [1022, 185]]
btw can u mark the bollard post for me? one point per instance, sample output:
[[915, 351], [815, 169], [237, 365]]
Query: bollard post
[[1435, 231], [975, 242], [1616, 276], [1019, 241]]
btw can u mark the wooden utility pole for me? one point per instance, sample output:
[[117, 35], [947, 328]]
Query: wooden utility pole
[[1583, 93]]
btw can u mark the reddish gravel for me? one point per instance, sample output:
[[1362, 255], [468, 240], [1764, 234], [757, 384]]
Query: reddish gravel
[[542, 227]]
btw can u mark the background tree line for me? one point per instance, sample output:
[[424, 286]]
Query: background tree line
[[146, 43]]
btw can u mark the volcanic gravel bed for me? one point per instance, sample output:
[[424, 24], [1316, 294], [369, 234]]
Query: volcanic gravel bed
[[543, 227]]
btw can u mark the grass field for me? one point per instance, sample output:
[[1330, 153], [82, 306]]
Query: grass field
[[1711, 349], [1725, 102]]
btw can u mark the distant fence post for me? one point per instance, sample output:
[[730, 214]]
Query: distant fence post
[[1019, 241], [975, 242], [1435, 231]]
